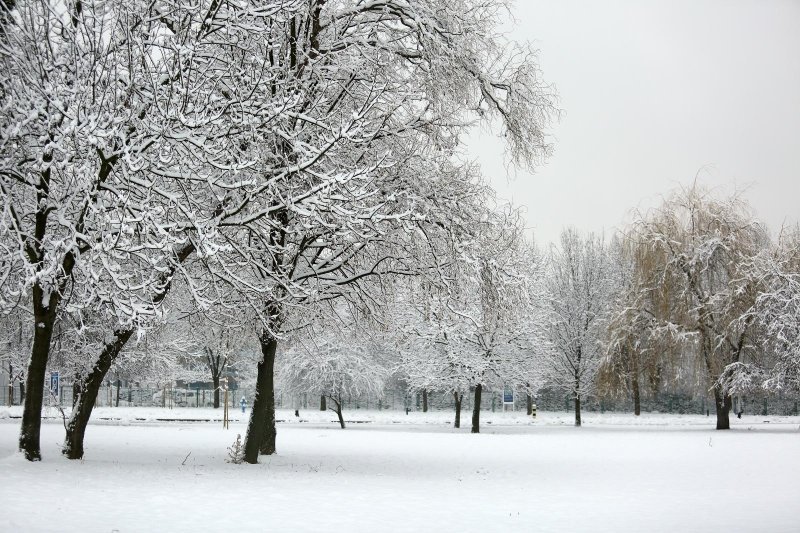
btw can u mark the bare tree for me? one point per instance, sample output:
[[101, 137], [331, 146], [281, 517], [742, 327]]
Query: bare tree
[[579, 287], [336, 364], [370, 122], [479, 329], [639, 357], [776, 319], [692, 261]]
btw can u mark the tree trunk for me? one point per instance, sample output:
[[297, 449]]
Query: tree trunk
[[424, 401], [476, 410], [322, 405], [578, 389], [261, 427], [723, 403], [215, 380], [458, 398], [34, 397], [529, 404], [637, 404], [21, 392], [119, 386], [338, 410], [88, 389], [10, 401], [268, 444]]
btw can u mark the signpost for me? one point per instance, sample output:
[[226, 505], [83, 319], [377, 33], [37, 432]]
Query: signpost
[[54, 382], [508, 398]]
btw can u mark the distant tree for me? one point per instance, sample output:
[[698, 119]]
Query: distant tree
[[639, 356], [693, 261], [479, 329], [776, 318], [14, 350], [336, 364], [580, 284], [218, 341]]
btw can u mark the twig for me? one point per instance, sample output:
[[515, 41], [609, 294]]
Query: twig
[[185, 458]]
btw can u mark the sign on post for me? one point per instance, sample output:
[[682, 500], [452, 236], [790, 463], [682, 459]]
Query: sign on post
[[508, 396], [54, 379]]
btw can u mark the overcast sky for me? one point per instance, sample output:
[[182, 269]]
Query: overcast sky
[[654, 93]]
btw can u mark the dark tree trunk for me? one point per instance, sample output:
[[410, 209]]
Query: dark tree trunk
[[723, 403], [34, 396], [476, 410], [578, 389], [215, 380], [10, 385], [21, 392], [89, 387], [268, 444], [216, 364], [424, 401], [119, 386], [322, 405], [459, 398], [529, 404], [637, 403], [261, 427], [338, 410]]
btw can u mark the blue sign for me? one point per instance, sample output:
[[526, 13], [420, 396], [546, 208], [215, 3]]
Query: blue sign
[[508, 396], [54, 383]]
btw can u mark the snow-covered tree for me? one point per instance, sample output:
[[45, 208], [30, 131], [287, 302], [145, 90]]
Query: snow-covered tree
[[430, 356], [692, 267], [14, 350], [68, 120], [89, 114], [123, 126], [218, 343], [478, 329], [336, 363], [639, 357], [375, 96], [776, 318], [580, 284]]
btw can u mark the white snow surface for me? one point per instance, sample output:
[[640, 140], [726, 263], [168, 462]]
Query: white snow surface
[[398, 472]]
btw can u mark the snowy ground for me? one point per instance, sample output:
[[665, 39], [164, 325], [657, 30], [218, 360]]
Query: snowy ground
[[394, 472]]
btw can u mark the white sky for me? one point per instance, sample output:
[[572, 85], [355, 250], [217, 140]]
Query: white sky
[[655, 92]]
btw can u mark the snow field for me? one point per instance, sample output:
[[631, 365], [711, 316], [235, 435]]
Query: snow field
[[617, 473]]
